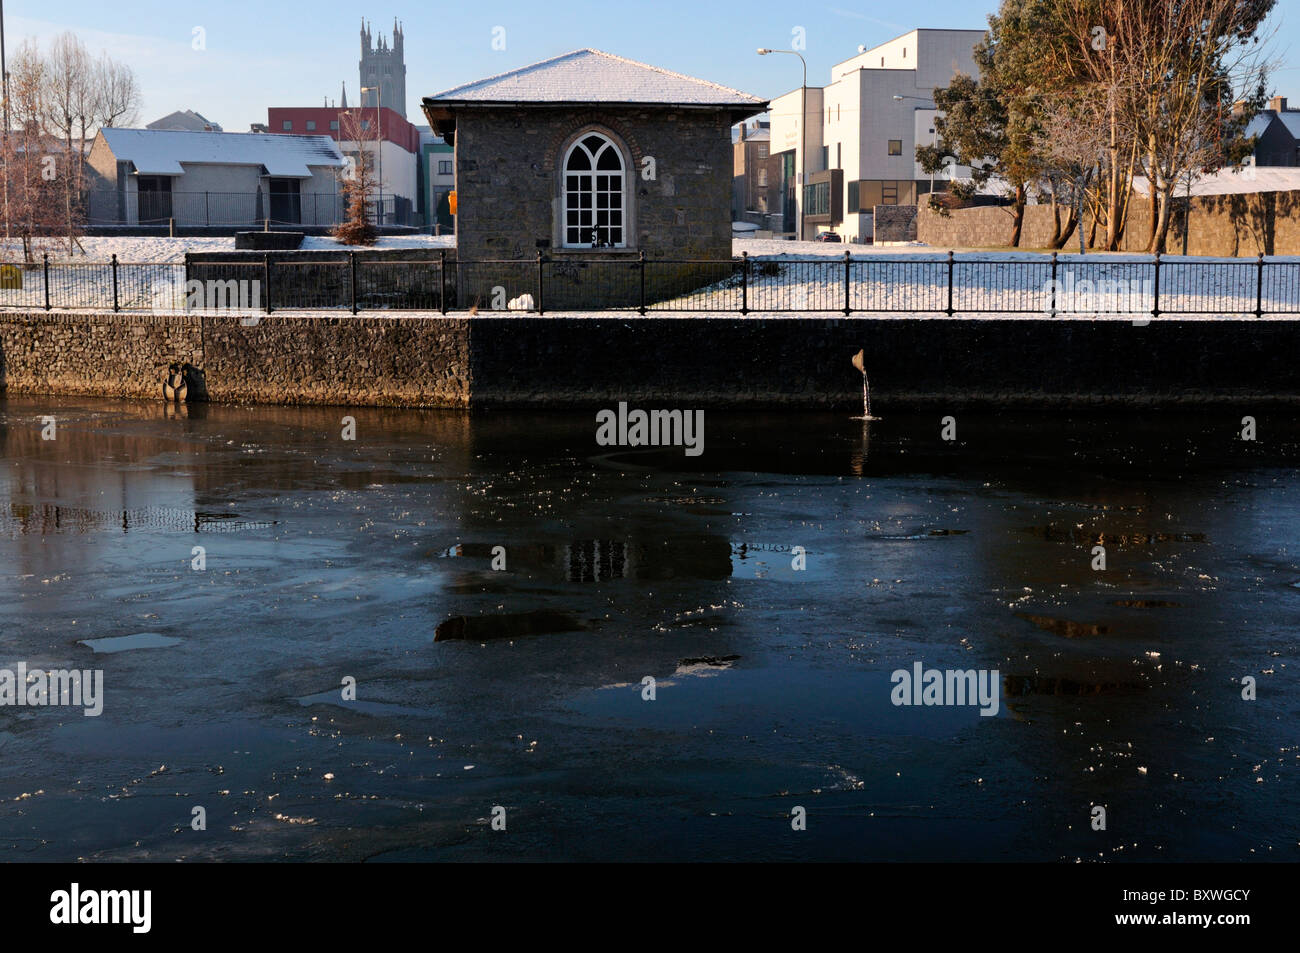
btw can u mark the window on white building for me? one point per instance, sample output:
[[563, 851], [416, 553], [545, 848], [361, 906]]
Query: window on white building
[[593, 194], [895, 147]]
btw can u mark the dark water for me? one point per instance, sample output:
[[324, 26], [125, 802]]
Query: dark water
[[328, 559]]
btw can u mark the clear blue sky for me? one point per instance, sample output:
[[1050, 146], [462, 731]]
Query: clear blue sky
[[278, 53]]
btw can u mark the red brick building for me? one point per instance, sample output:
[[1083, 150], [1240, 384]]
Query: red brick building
[[396, 159]]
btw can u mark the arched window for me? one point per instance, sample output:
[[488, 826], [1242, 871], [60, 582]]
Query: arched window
[[594, 209]]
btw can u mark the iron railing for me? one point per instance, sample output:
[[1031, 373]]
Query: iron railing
[[1054, 286], [234, 209]]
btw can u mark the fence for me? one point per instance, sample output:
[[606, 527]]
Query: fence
[[922, 285], [208, 209]]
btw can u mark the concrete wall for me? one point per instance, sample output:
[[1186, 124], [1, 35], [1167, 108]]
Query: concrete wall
[[1221, 226], [934, 55], [658, 362]]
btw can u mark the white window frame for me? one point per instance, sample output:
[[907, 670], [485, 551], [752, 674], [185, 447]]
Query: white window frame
[[578, 144]]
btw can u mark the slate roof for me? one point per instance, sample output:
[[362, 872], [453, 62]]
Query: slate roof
[[161, 152], [592, 76]]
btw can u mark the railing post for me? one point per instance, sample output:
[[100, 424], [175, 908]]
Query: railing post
[[848, 294], [442, 279], [46, 256], [207, 215], [540, 260], [1259, 288], [744, 282], [352, 277], [114, 264], [1055, 286], [641, 262], [951, 265], [1155, 305], [266, 279]]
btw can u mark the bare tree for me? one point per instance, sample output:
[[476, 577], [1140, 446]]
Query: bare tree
[[1074, 141], [357, 180], [28, 151], [1198, 58], [118, 99], [69, 79]]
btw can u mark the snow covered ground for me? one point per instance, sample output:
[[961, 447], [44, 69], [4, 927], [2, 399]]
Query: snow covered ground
[[147, 250]]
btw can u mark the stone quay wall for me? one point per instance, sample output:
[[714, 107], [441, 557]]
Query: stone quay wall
[[527, 361]]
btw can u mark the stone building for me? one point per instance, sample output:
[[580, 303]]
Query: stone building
[[591, 159], [383, 70], [756, 183]]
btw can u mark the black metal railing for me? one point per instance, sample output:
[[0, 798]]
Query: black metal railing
[[1053, 286], [235, 209]]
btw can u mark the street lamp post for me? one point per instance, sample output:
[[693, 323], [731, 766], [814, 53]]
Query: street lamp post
[[4, 81], [803, 132], [898, 98], [379, 141]]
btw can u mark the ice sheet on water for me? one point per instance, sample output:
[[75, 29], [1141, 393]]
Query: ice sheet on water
[[124, 643]]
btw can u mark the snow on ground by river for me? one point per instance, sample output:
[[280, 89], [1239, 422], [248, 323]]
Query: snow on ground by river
[[150, 249]]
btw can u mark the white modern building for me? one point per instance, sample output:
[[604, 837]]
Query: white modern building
[[861, 131]]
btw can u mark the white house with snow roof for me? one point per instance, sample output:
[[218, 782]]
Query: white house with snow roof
[[155, 177], [591, 156]]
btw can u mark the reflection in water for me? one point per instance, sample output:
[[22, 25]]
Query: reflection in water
[[508, 626], [1064, 627], [1018, 686], [42, 519], [604, 560], [625, 567]]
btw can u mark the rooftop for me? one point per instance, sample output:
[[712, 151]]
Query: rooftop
[[161, 152], [592, 76]]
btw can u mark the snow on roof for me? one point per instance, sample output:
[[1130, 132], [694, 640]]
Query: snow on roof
[[161, 151], [1291, 119], [1232, 181], [1259, 124], [591, 76]]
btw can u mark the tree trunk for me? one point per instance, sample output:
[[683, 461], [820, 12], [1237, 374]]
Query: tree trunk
[[1018, 216], [1161, 240], [1071, 223], [1053, 242]]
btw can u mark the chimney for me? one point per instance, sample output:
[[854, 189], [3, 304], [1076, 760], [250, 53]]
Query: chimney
[[1277, 104]]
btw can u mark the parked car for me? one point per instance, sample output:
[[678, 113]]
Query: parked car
[[829, 237]]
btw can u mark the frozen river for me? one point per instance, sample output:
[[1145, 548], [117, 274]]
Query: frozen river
[[231, 571]]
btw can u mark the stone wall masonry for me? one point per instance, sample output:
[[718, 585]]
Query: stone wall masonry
[[1221, 226], [667, 362], [418, 361], [508, 180], [804, 363], [94, 354], [295, 359], [894, 223]]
